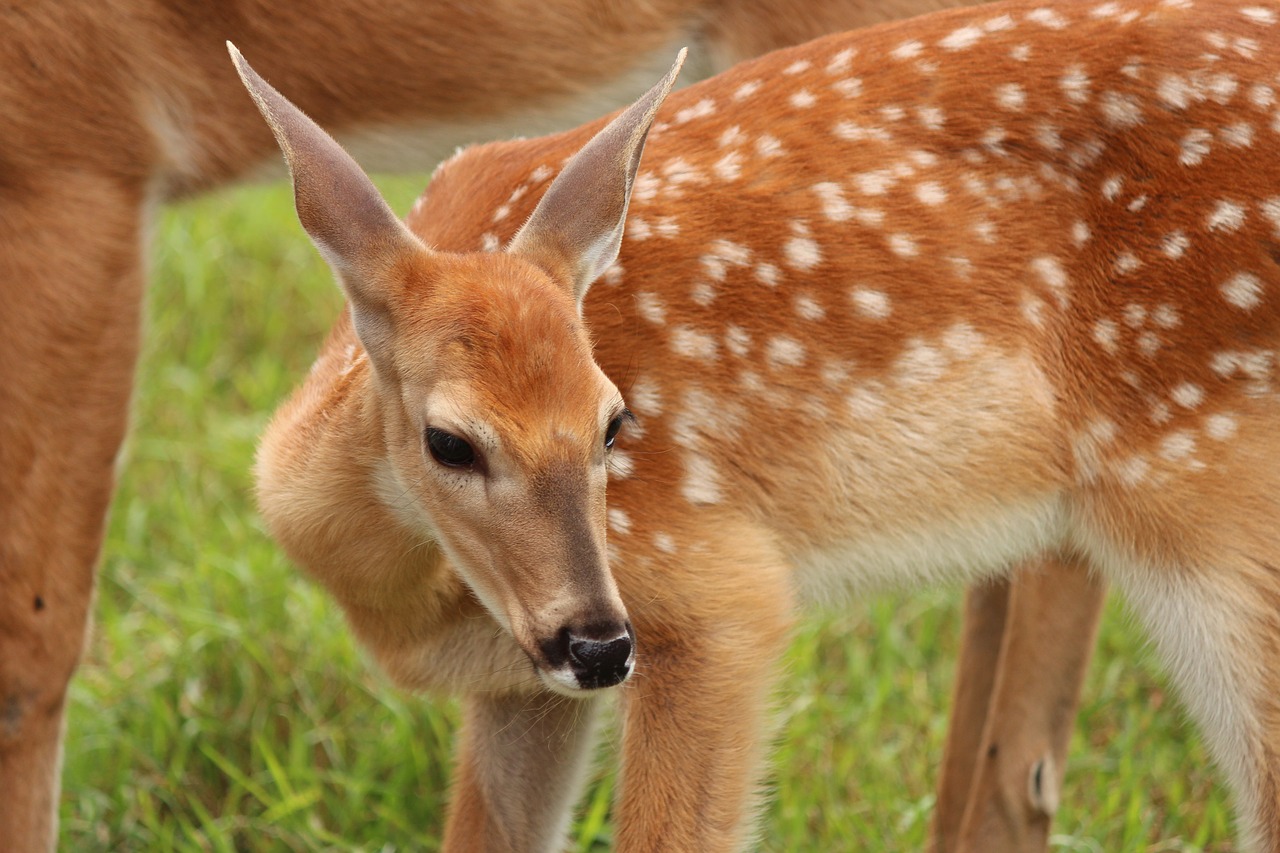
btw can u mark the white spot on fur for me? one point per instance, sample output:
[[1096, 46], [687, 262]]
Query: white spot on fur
[[1239, 135], [1166, 316], [1011, 96], [802, 251], [931, 117], [850, 87], [702, 294], [1220, 427], [1226, 216], [701, 486], [1052, 274], [1243, 290], [1174, 244], [1126, 262], [903, 245], [728, 167], [768, 146], [643, 397], [702, 109], [1106, 333], [907, 50], [803, 99], [651, 307], [840, 62], [931, 193], [1194, 147], [875, 183], [1079, 234], [1188, 395], [835, 373], [1259, 15], [1132, 471], [808, 308], [768, 274], [1075, 85], [721, 255], [961, 39], [871, 303], [784, 352], [1178, 445], [962, 340], [732, 136], [619, 521], [1271, 210], [746, 90], [834, 205], [691, 343], [737, 340], [920, 363], [1033, 308], [1175, 91]]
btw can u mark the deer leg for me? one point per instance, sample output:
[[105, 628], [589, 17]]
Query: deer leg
[[1049, 631], [520, 768], [985, 609], [68, 341], [1219, 636], [695, 714]]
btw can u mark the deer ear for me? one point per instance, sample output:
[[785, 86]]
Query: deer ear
[[576, 229], [346, 217]]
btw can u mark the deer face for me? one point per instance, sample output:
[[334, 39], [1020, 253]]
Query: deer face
[[499, 426]]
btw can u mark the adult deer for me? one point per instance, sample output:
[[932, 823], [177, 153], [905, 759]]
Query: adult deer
[[978, 286], [113, 109]]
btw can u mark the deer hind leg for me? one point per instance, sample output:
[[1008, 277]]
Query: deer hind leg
[[695, 713], [1218, 633], [68, 334], [986, 607], [520, 769], [1046, 644]]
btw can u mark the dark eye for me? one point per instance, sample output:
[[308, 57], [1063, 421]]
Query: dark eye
[[611, 432], [447, 449]]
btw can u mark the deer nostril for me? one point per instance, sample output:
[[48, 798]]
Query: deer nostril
[[600, 656]]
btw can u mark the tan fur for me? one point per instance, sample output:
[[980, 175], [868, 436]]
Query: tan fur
[[112, 109], [910, 304]]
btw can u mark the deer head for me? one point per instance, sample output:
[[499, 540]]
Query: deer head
[[496, 420]]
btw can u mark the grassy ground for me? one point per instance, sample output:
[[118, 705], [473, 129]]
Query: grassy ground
[[222, 705]]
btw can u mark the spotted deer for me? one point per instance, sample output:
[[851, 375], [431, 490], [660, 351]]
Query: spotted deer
[[905, 305], [112, 110]]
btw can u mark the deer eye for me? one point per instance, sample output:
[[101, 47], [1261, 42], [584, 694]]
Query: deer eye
[[611, 432], [448, 449]]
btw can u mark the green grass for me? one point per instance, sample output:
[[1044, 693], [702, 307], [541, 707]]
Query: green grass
[[223, 706]]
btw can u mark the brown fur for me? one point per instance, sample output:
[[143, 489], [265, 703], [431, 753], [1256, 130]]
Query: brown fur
[[906, 344], [112, 109]]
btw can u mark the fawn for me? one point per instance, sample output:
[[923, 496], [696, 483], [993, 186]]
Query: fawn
[[113, 109], [910, 304]]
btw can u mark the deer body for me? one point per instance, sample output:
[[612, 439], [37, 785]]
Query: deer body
[[909, 304]]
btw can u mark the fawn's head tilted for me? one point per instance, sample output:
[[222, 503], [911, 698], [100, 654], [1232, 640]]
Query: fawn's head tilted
[[496, 418]]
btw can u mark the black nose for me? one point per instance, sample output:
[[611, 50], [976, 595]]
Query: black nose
[[600, 663]]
